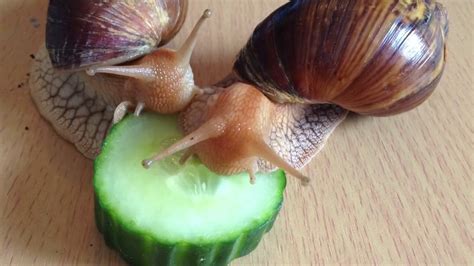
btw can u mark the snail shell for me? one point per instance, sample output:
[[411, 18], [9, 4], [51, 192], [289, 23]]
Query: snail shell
[[374, 57], [83, 33]]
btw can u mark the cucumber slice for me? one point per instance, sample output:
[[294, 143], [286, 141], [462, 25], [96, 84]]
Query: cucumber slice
[[172, 214]]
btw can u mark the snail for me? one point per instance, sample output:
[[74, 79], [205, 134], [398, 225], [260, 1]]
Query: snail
[[303, 69], [162, 80], [123, 38], [369, 57]]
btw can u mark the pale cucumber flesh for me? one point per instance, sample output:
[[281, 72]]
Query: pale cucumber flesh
[[175, 214]]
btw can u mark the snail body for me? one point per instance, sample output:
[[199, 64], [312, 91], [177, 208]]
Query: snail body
[[92, 36]]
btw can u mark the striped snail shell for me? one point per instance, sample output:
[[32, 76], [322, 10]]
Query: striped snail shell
[[84, 33], [373, 57]]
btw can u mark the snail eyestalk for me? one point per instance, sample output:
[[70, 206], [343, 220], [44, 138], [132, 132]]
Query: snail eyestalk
[[121, 111], [185, 52], [139, 109], [143, 73], [148, 73]]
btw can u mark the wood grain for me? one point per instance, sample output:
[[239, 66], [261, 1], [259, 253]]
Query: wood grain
[[384, 190]]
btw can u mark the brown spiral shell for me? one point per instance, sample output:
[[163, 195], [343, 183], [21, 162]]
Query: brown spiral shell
[[82, 33], [376, 57]]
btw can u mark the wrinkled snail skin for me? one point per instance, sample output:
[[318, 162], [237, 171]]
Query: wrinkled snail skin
[[79, 108], [82, 33], [373, 57]]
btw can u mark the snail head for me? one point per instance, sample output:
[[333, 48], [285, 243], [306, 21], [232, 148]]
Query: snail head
[[238, 129], [162, 81]]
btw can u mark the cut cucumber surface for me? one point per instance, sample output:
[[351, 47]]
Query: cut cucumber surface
[[174, 214]]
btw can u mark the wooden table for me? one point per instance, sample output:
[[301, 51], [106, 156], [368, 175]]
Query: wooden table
[[384, 190]]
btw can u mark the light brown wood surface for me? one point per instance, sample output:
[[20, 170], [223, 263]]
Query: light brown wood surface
[[384, 190]]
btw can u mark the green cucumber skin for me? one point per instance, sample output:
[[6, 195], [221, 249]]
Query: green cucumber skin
[[137, 249]]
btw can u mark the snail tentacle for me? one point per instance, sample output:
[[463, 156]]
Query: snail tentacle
[[211, 129], [268, 154], [139, 108], [121, 111], [142, 72], [184, 53]]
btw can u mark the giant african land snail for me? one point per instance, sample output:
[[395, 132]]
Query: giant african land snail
[[375, 57]]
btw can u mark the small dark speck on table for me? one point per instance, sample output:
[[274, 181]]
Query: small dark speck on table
[[32, 56], [35, 22], [27, 128]]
